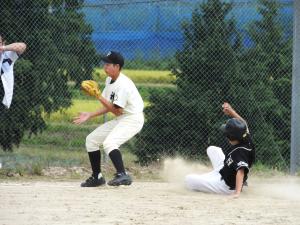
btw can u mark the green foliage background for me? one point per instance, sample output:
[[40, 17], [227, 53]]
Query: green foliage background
[[183, 95], [213, 68], [59, 49]]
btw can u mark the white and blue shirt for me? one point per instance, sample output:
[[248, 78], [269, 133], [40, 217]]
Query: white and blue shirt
[[7, 60]]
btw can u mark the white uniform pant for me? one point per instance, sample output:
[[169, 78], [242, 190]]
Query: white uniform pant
[[114, 133], [210, 182]]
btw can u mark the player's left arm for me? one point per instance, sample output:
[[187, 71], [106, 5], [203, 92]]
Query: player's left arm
[[118, 104], [239, 179], [18, 47], [241, 166], [115, 109]]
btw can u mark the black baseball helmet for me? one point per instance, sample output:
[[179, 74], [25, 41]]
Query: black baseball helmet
[[234, 129]]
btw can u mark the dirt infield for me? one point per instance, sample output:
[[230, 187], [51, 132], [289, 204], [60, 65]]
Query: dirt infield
[[274, 201], [44, 202]]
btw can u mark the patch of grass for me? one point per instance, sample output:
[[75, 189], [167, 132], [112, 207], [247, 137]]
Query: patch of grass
[[141, 76], [53, 162], [61, 134], [143, 88], [31, 161], [67, 136], [36, 169], [261, 169], [67, 116], [78, 105], [154, 62]]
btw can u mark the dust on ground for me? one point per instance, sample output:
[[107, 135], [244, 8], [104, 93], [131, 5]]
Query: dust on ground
[[274, 200]]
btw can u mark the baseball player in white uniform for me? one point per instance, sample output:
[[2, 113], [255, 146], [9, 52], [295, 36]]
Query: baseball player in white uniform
[[8, 56], [230, 170], [120, 97]]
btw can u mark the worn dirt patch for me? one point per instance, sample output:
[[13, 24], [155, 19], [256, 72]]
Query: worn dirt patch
[[269, 201]]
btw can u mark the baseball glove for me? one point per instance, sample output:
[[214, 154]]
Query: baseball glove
[[90, 87]]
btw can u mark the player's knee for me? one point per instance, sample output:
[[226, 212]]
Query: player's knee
[[211, 149], [91, 144], [108, 146]]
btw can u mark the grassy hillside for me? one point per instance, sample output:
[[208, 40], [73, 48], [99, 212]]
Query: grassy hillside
[[141, 76]]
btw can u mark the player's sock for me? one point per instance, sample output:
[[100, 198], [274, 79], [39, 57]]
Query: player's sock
[[116, 158], [95, 159]]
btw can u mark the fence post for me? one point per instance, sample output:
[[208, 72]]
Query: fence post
[[295, 121]]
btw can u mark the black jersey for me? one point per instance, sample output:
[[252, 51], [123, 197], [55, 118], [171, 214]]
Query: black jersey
[[237, 157]]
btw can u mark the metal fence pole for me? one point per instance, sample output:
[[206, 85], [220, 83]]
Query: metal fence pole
[[295, 126]]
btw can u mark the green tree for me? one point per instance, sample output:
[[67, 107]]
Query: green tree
[[268, 66], [59, 49], [185, 121], [212, 68]]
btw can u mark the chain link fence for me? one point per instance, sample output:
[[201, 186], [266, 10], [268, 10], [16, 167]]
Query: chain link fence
[[185, 57]]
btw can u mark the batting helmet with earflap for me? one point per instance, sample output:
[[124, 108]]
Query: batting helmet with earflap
[[234, 129]]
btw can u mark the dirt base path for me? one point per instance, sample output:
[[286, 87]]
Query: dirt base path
[[43, 203]]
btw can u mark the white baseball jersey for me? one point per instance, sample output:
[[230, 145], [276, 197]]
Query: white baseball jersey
[[114, 133], [7, 61], [123, 92]]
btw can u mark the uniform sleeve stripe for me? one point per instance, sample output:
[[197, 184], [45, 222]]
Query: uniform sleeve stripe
[[242, 167], [247, 149]]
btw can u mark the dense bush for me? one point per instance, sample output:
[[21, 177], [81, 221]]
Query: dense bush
[[212, 68], [49, 62]]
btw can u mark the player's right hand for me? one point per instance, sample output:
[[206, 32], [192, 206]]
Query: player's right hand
[[2, 48], [227, 109], [83, 116]]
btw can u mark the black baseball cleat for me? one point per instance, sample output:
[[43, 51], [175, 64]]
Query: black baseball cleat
[[120, 179], [93, 182]]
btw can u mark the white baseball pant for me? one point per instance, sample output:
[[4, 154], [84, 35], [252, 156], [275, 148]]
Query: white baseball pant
[[210, 182], [114, 133]]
